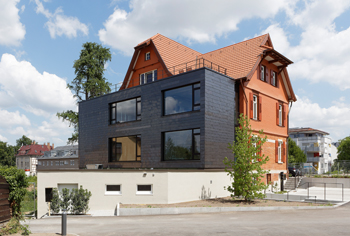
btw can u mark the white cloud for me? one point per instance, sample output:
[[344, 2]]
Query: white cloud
[[197, 20], [22, 85], [3, 139], [334, 120], [12, 31], [12, 118], [60, 24]]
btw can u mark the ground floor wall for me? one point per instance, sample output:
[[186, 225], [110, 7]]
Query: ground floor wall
[[166, 187]]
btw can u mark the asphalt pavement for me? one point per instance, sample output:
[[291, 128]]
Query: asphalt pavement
[[288, 222]]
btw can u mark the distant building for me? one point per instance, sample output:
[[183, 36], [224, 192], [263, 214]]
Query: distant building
[[63, 157], [27, 156], [317, 146]]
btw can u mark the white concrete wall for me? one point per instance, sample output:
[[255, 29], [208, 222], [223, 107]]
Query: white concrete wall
[[167, 187]]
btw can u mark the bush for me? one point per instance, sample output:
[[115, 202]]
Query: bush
[[55, 202], [65, 199], [13, 227]]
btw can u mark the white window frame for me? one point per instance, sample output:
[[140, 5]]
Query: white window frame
[[147, 56], [145, 76], [273, 78], [255, 107], [113, 192], [262, 73], [144, 192], [280, 114], [280, 151]]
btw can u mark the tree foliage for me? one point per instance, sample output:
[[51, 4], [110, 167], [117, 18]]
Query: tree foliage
[[295, 154], [17, 183], [89, 80], [7, 154], [246, 168], [344, 149], [23, 141], [55, 204]]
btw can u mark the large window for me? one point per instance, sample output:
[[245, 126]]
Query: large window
[[124, 111], [181, 145], [148, 77], [125, 148], [182, 99]]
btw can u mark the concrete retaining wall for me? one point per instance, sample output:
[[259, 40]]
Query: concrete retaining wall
[[330, 182]]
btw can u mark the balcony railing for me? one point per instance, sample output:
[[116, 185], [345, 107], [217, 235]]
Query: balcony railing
[[175, 70]]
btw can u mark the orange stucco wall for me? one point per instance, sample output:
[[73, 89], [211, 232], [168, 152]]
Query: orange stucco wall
[[143, 66]]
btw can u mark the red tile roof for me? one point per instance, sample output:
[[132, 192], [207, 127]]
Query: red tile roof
[[33, 150]]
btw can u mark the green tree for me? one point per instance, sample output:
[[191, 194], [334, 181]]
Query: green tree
[[7, 154], [89, 80], [344, 149], [65, 199], [24, 140], [295, 154], [56, 201], [246, 168]]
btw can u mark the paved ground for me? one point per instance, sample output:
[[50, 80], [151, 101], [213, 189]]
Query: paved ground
[[292, 222], [329, 194]]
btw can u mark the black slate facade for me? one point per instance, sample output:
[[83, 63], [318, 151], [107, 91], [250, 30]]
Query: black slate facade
[[215, 119]]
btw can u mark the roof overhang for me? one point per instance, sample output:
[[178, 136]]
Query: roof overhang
[[276, 58]]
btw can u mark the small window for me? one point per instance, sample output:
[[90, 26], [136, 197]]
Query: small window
[[72, 162], [148, 77], [147, 56], [280, 115], [66, 162], [39, 163], [279, 151], [262, 72], [61, 163], [51, 163], [113, 190], [144, 189], [255, 107], [57, 163], [273, 78]]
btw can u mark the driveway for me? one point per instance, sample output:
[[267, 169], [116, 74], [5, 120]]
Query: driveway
[[292, 222]]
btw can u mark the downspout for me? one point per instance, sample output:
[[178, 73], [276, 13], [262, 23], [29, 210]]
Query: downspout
[[246, 99], [287, 151]]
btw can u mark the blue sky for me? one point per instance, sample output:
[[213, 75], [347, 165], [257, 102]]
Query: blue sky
[[40, 39]]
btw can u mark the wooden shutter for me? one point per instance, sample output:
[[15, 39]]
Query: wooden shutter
[[277, 114], [260, 108], [284, 152], [251, 105], [277, 84], [276, 151], [284, 115], [271, 73], [266, 75]]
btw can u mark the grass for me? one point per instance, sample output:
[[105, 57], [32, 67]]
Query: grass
[[27, 205]]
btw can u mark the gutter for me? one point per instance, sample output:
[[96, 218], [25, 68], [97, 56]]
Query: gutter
[[291, 104]]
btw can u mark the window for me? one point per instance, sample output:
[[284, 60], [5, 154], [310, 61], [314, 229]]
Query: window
[[273, 78], [113, 190], [125, 111], [51, 163], [43, 163], [66, 162], [181, 145], [61, 163], [72, 162], [147, 56], [144, 189], [255, 107], [57, 163], [262, 73], [148, 77], [125, 148], [39, 163], [182, 99], [280, 115], [280, 152]]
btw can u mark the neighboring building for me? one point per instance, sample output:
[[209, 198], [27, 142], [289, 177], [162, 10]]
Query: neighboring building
[[163, 136], [317, 146], [63, 157], [27, 156]]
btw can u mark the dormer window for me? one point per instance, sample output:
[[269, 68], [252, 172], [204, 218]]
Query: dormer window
[[147, 56], [262, 73], [273, 78]]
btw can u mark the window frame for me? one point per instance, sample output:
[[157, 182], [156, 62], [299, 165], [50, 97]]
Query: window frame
[[137, 155], [113, 109], [255, 107], [147, 56], [143, 76], [113, 192], [138, 192], [263, 73], [279, 149], [273, 78], [195, 132], [280, 114], [195, 106]]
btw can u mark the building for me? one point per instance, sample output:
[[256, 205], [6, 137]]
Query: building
[[27, 156], [63, 157], [317, 146], [163, 136]]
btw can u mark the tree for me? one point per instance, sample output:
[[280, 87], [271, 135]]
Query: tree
[[24, 140], [7, 154], [295, 154], [89, 80], [246, 168], [80, 200], [344, 149]]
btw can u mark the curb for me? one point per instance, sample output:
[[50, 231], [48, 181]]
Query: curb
[[194, 210]]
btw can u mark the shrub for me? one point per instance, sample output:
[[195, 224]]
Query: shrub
[[80, 200], [55, 202], [65, 199]]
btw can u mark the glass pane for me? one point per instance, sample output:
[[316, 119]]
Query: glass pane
[[197, 96], [142, 78], [126, 111], [149, 77], [155, 75], [197, 143], [126, 148], [197, 85], [178, 145], [178, 100], [144, 188], [113, 188], [138, 146], [139, 108], [113, 113]]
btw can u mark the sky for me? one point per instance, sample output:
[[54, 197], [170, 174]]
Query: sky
[[41, 39]]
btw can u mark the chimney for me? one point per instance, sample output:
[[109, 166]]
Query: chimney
[[53, 146], [48, 146]]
